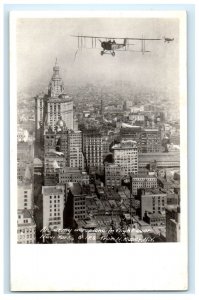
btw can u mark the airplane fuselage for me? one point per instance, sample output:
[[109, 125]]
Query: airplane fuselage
[[109, 47]]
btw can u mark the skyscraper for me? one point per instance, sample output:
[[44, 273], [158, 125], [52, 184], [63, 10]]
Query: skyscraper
[[93, 149], [59, 106], [75, 155], [53, 107]]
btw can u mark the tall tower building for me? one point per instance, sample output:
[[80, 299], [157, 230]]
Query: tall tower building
[[39, 117], [59, 105], [53, 107]]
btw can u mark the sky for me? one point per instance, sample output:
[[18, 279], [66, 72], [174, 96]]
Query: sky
[[41, 41]]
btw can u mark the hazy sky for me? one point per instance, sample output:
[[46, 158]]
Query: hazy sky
[[40, 41]]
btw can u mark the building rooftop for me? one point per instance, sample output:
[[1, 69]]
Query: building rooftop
[[173, 207], [53, 153], [130, 129], [47, 190], [155, 215], [129, 144], [70, 170], [159, 156], [78, 189], [153, 192], [27, 214], [25, 185], [142, 176], [92, 132], [151, 129], [37, 161]]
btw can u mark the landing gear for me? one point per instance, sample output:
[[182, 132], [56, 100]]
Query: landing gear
[[110, 52]]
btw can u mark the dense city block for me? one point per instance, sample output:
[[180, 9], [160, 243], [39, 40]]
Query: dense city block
[[97, 164]]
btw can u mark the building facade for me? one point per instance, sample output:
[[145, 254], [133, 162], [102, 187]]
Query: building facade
[[75, 208], [148, 140], [25, 196], [142, 181], [152, 202], [26, 227], [126, 156], [75, 154], [112, 175], [93, 150], [39, 116], [159, 160], [72, 175], [172, 223], [53, 206]]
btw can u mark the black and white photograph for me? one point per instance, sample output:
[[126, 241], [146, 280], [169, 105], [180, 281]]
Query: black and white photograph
[[100, 109]]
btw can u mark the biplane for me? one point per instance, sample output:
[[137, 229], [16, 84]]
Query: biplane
[[110, 45]]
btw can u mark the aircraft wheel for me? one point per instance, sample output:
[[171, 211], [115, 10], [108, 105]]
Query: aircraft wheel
[[113, 53], [102, 52]]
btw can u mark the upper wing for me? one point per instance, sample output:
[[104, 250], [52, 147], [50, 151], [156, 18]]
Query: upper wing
[[143, 39], [115, 38], [95, 37]]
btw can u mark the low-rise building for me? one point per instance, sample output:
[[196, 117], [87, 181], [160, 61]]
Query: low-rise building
[[142, 181], [159, 160], [72, 175], [153, 201], [26, 227], [155, 219]]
